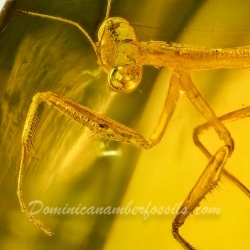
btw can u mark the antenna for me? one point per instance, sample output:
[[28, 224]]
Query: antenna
[[65, 21]]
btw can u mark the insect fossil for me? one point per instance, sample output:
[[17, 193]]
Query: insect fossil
[[121, 56]]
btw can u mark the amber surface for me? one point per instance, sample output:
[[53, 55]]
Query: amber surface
[[76, 167]]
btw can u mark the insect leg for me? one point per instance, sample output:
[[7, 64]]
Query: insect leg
[[204, 108], [99, 124], [207, 181], [169, 107], [232, 116], [212, 173]]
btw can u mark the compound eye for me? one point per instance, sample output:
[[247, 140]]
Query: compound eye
[[125, 78]]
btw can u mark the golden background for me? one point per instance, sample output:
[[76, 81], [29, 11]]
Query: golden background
[[74, 166]]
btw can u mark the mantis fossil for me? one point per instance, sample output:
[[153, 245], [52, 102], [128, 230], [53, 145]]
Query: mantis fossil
[[121, 56]]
